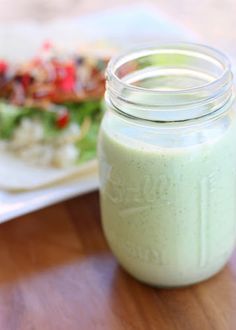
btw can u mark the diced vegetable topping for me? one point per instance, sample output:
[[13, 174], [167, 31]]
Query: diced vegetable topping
[[63, 119], [52, 78]]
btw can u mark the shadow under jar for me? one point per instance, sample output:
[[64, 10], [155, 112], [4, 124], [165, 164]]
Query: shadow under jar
[[167, 159]]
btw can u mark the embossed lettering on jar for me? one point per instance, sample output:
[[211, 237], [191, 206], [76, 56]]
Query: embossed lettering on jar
[[167, 161]]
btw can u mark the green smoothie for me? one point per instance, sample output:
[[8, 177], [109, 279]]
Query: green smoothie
[[169, 209]]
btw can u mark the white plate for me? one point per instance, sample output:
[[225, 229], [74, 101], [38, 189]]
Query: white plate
[[15, 204], [121, 27]]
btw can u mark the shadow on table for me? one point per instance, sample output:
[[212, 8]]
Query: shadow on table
[[192, 307]]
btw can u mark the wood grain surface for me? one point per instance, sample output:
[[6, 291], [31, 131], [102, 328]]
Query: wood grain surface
[[57, 273]]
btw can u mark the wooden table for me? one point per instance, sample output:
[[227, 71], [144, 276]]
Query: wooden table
[[57, 273]]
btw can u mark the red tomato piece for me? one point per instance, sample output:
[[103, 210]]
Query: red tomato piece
[[3, 66], [63, 119]]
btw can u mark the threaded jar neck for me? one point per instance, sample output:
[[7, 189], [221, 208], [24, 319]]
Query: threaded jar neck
[[169, 83]]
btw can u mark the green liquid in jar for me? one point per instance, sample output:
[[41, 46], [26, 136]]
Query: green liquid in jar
[[169, 213]]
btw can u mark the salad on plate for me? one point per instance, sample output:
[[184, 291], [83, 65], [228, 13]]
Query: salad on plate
[[50, 108], [50, 111]]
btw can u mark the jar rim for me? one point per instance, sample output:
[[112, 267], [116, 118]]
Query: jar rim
[[170, 67], [189, 47]]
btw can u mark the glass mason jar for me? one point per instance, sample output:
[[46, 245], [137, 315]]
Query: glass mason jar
[[167, 159]]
